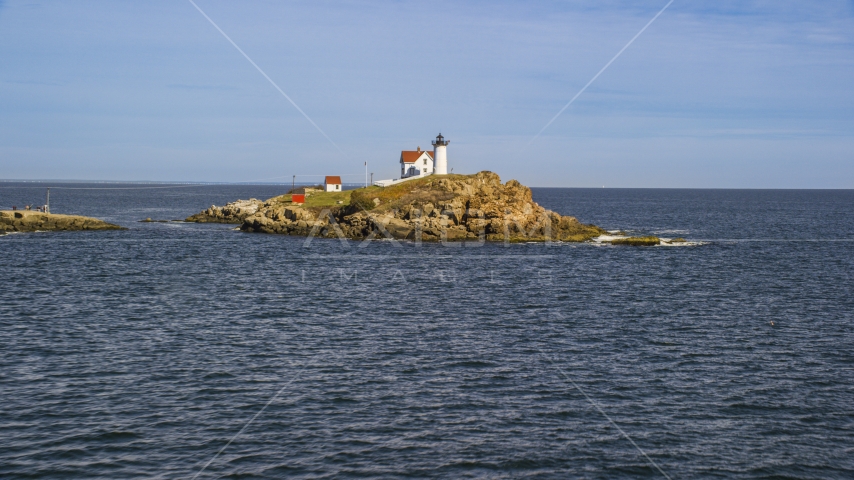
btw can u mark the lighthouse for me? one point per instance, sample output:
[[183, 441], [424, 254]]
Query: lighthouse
[[440, 155]]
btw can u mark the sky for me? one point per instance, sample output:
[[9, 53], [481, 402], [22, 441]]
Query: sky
[[725, 94]]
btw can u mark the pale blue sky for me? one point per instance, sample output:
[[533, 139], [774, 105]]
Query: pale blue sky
[[740, 94]]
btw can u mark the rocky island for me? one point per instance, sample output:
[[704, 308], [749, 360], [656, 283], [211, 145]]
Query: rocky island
[[425, 204], [432, 208], [32, 221]]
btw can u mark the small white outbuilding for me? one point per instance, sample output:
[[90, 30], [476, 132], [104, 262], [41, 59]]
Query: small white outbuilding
[[332, 183]]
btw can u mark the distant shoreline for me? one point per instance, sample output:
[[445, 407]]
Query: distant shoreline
[[19, 221]]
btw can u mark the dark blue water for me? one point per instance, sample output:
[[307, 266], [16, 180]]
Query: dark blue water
[[143, 353]]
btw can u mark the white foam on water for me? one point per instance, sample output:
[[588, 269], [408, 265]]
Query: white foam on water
[[679, 244], [602, 240], [607, 238]]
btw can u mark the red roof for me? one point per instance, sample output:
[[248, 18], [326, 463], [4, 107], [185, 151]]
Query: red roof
[[410, 156], [333, 180]]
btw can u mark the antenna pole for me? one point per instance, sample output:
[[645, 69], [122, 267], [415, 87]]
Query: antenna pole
[[47, 201]]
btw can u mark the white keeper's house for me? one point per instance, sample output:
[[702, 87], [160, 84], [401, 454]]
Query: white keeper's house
[[415, 162]]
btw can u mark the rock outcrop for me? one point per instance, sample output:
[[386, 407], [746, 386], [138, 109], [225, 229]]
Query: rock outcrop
[[234, 212], [435, 208], [649, 241], [29, 221]]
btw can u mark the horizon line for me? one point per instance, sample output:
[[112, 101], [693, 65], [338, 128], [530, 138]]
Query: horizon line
[[222, 183]]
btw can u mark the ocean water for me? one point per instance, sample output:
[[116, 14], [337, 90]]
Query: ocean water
[[174, 350]]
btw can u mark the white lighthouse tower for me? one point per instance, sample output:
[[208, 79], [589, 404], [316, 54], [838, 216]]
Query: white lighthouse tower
[[440, 155]]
